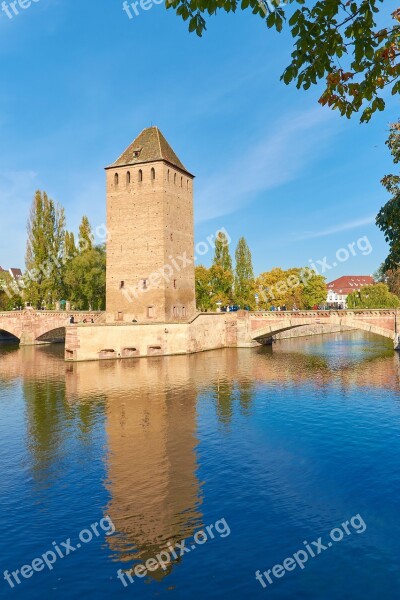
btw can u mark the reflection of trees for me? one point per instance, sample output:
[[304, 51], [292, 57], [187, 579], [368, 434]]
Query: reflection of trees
[[224, 394], [246, 392], [50, 419], [229, 392]]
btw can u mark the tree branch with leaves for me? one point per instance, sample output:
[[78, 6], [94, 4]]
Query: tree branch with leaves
[[336, 42]]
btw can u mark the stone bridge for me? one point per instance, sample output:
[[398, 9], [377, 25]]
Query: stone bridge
[[37, 326], [260, 327]]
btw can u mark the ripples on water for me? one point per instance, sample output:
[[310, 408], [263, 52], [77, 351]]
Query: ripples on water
[[283, 444]]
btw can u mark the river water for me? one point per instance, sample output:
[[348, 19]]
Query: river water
[[236, 459]]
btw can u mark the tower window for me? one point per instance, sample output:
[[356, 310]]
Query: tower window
[[175, 178], [168, 175], [128, 178], [187, 183], [153, 174], [140, 175], [150, 312], [122, 284], [145, 284], [174, 283], [181, 181], [116, 180]]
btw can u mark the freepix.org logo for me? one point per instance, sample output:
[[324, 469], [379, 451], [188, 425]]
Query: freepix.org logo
[[13, 9]]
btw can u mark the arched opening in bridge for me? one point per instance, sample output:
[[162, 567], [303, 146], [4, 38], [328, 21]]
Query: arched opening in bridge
[[298, 331], [7, 337], [55, 336]]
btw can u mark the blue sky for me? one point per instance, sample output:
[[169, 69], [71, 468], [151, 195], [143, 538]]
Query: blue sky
[[79, 81]]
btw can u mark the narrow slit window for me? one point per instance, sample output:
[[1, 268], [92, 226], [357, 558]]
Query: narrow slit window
[[116, 180], [140, 175], [153, 174]]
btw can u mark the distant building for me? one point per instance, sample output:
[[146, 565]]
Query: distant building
[[340, 288], [16, 274]]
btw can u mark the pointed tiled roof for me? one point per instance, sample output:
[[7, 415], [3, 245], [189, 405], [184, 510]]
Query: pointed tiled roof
[[149, 146]]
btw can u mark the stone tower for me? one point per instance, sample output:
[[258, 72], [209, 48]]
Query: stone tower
[[150, 247]]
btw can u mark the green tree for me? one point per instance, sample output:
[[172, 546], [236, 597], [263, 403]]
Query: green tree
[[70, 247], [244, 275], [278, 287], [314, 291], [222, 257], [373, 296], [388, 219], [86, 279], [390, 277], [335, 41], [300, 288], [10, 292], [221, 275], [221, 282], [44, 252], [85, 238], [203, 288]]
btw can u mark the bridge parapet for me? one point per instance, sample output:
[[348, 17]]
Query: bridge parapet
[[29, 325], [272, 314], [263, 325]]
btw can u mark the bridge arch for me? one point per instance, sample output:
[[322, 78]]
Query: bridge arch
[[268, 331], [9, 332], [54, 335]]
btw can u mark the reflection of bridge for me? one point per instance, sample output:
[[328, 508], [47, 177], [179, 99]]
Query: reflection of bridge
[[262, 326], [33, 326]]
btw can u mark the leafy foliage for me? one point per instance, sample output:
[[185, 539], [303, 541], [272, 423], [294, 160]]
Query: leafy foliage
[[222, 257], [300, 288], [9, 292], [55, 268], [373, 296], [335, 41], [86, 279], [44, 252], [203, 288], [244, 275], [390, 277], [85, 238], [388, 219]]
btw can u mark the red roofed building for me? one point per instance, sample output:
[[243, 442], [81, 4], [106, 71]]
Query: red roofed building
[[16, 274], [340, 288]]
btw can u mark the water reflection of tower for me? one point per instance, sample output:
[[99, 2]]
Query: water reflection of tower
[[151, 429]]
